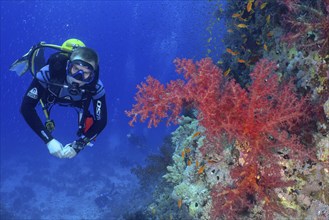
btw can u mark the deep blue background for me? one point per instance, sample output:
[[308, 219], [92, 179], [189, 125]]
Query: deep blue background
[[134, 39]]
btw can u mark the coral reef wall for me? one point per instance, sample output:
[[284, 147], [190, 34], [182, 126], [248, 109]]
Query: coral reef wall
[[255, 143]]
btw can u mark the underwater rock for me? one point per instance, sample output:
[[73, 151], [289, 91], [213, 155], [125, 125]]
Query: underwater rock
[[174, 174], [194, 195], [185, 140], [191, 186], [318, 210]]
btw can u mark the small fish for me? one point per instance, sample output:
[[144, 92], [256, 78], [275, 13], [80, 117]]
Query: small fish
[[234, 53], [209, 39], [196, 164], [236, 15], [265, 47], [187, 150], [243, 19], [269, 34], [241, 61], [189, 163], [179, 203], [262, 6], [249, 5], [220, 62], [230, 31], [242, 26], [196, 134], [211, 161], [183, 154], [227, 71], [268, 18], [201, 169]]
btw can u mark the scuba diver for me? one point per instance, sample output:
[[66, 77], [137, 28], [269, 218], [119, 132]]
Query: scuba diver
[[69, 78]]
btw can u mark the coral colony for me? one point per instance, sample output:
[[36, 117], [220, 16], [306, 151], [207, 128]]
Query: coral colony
[[252, 141]]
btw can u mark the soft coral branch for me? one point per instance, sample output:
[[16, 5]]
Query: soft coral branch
[[156, 102]]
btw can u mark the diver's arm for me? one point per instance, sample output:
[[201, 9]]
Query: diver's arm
[[30, 100], [100, 118]]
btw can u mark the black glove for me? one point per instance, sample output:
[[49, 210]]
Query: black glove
[[80, 144]]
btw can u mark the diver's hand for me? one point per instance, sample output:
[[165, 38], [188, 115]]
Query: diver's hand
[[68, 151], [72, 149], [55, 148]]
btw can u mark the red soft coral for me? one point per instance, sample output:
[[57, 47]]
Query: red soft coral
[[155, 102], [259, 119], [307, 25]]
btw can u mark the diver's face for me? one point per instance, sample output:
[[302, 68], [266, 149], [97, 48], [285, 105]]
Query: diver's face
[[86, 71], [79, 73]]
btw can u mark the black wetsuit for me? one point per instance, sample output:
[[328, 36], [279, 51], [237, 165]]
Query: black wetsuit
[[42, 88]]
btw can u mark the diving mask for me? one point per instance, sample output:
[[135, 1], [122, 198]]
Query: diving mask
[[80, 70]]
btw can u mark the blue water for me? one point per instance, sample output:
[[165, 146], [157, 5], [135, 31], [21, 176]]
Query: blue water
[[134, 39]]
